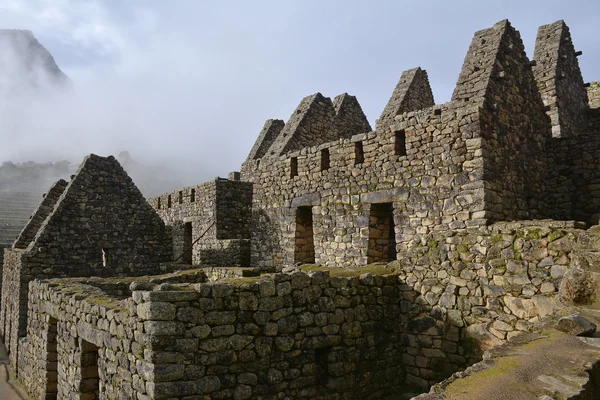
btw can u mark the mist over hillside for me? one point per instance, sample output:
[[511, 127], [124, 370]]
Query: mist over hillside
[[48, 124]]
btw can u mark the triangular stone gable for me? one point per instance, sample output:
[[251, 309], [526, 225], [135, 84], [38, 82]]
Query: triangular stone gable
[[101, 225], [497, 77], [478, 65], [40, 215], [497, 71], [311, 124], [559, 80], [265, 139], [350, 119], [412, 93]]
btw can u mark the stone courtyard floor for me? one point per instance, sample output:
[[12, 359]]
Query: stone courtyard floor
[[7, 392]]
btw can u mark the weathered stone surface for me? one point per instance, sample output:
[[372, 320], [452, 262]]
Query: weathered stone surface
[[578, 287], [576, 325]]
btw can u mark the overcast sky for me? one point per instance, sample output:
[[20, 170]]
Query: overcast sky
[[190, 83]]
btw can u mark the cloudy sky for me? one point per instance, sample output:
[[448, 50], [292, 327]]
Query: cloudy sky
[[189, 84]]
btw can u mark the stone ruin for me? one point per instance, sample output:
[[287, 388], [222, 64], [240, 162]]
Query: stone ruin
[[341, 262]]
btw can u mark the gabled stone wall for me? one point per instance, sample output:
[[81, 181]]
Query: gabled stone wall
[[100, 225], [219, 213], [433, 187]]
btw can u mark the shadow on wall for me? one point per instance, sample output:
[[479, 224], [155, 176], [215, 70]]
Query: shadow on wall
[[270, 252]]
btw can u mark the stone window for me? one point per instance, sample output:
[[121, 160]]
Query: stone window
[[257, 164], [324, 159], [180, 197], [89, 386], [400, 143], [304, 251], [158, 205], [187, 243], [382, 234], [51, 361], [293, 167], [169, 201], [104, 257], [193, 196], [359, 153]]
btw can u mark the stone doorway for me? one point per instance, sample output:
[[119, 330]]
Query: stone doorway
[[304, 251], [51, 360], [187, 243], [89, 385], [382, 233]]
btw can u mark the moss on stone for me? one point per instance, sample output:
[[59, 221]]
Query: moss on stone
[[473, 383], [375, 269]]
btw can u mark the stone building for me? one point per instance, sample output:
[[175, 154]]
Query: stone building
[[389, 257]]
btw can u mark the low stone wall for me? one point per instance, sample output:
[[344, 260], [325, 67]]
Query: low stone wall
[[300, 334], [78, 339]]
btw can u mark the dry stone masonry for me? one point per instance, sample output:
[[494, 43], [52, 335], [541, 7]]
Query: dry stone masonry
[[341, 262]]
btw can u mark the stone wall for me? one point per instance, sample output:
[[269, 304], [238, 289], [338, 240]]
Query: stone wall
[[40, 215], [410, 94], [497, 76], [559, 80], [305, 335], [310, 332], [101, 225], [79, 343], [496, 281], [213, 217], [433, 187]]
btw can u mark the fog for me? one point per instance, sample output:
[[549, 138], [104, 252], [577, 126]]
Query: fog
[[186, 86]]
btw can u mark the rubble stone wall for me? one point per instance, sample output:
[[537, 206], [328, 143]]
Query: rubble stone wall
[[40, 215], [498, 280], [433, 187], [308, 332], [78, 340], [560, 81], [219, 213], [101, 225]]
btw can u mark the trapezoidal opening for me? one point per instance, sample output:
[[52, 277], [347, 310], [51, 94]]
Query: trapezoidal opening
[[89, 386], [304, 251], [382, 233], [187, 243]]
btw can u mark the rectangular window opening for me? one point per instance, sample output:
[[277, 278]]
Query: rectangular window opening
[[293, 167], [382, 233], [193, 196], [187, 243], [324, 159], [400, 143], [51, 361], [104, 257], [89, 386], [359, 153], [169, 201], [257, 164], [304, 251], [180, 197], [158, 205]]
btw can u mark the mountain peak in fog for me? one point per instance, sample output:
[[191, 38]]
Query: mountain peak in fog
[[26, 64]]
